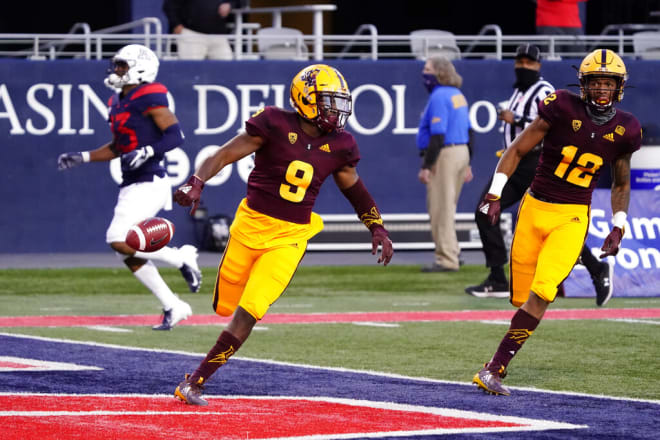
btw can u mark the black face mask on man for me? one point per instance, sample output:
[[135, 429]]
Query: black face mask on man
[[526, 77]]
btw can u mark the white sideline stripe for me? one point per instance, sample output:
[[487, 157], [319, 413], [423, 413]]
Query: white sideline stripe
[[495, 321], [38, 365], [107, 328], [316, 367], [635, 321], [530, 424], [375, 324]]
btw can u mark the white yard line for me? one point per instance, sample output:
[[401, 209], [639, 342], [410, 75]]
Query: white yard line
[[316, 367]]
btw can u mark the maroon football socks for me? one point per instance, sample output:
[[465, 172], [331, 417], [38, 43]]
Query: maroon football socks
[[226, 345], [522, 326]]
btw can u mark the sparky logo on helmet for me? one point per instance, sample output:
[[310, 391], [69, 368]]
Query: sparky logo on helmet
[[309, 77]]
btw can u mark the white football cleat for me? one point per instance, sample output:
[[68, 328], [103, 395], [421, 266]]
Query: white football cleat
[[173, 316], [190, 269]]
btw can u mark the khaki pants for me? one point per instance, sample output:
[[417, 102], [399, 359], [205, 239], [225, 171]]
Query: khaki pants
[[447, 177], [193, 45]]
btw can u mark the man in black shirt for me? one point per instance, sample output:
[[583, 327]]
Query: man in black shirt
[[201, 26]]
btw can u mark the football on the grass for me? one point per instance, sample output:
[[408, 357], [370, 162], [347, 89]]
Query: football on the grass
[[150, 235]]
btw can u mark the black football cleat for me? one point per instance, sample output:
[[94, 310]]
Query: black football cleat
[[489, 289], [491, 382], [191, 392], [190, 269], [602, 280]]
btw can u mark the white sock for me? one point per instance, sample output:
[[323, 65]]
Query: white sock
[[168, 255], [149, 276]]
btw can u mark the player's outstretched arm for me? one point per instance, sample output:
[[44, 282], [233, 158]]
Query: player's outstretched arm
[[620, 199], [354, 190], [237, 148], [72, 159]]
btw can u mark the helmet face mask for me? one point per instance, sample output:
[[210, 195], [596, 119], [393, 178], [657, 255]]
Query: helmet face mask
[[601, 91], [320, 94], [333, 110], [133, 64], [602, 77]]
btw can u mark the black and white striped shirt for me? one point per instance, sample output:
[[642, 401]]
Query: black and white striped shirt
[[525, 108]]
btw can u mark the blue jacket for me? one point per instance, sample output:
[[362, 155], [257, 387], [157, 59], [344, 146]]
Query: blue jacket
[[446, 113]]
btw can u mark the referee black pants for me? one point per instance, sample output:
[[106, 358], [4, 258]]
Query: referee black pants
[[491, 235]]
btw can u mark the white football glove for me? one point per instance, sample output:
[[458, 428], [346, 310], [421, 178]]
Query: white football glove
[[69, 160], [136, 158]]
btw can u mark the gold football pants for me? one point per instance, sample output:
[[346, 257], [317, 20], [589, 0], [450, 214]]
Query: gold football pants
[[254, 278], [546, 244]]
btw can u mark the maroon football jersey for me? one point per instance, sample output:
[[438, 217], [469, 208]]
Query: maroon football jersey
[[575, 148], [290, 166]]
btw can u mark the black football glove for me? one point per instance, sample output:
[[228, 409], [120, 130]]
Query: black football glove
[[69, 160], [136, 158], [190, 193], [490, 207], [612, 242], [379, 237]]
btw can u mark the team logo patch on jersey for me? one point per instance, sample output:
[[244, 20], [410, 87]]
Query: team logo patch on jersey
[[576, 124], [325, 147], [609, 137], [293, 137], [619, 130], [435, 120]]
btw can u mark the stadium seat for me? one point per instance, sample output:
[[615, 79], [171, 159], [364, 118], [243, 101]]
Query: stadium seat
[[647, 45], [428, 42], [281, 43]]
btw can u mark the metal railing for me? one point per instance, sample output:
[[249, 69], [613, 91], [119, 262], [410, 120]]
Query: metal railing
[[363, 29], [276, 12], [489, 43], [88, 45]]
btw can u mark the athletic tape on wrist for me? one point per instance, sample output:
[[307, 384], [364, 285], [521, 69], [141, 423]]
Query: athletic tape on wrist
[[496, 187], [619, 219]]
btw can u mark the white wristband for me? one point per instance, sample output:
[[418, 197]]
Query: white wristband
[[85, 156], [496, 187], [619, 219]]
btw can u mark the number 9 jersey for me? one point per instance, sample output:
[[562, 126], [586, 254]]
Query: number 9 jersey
[[575, 148], [291, 166]]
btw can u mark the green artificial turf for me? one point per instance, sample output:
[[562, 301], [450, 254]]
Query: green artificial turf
[[589, 356]]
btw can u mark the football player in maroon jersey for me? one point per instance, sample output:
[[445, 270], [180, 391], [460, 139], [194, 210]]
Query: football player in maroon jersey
[[294, 153], [143, 130], [579, 134]]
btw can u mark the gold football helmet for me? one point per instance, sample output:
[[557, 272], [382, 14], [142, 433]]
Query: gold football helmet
[[602, 63], [320, 94]]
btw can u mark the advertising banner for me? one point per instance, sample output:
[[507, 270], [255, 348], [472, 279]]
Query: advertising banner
[[637, 265], [51, 107]]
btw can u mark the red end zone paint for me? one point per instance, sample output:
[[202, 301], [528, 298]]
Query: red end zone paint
[[143, 417], [13, 365], [320, 318]]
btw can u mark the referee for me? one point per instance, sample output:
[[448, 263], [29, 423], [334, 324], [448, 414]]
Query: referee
[[529, 89]]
